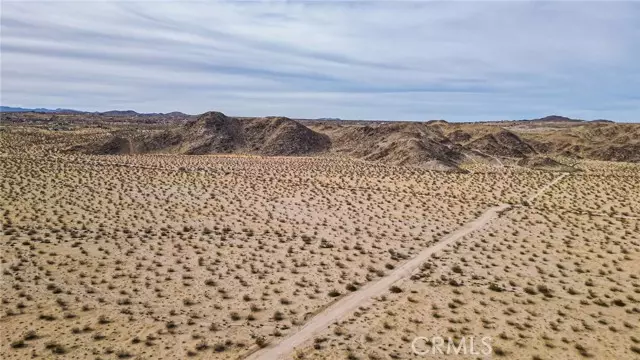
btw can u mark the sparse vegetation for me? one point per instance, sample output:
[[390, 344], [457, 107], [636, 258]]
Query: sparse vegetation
[[150, 251]]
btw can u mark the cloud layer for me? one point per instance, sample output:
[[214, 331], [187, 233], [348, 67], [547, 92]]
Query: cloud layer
[[408, 60]]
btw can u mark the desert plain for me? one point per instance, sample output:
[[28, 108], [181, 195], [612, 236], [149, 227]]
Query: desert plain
[[172, 255]]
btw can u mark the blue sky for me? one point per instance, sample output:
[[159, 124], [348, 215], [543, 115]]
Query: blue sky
[[398, 60]]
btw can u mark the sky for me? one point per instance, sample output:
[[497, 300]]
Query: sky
[[388, 60]]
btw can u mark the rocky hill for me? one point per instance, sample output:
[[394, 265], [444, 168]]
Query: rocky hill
[[215, 133], [414, 144], [439, 144], [434, 144]]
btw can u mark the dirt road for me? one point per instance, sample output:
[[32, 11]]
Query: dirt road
[[355, 299], [544, 188], [352, 301]]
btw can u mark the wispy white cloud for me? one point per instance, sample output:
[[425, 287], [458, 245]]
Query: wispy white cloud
[[393, 60]]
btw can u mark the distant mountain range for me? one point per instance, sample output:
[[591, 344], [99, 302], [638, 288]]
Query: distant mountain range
[[132, 113], [10, 109], [41, 110]]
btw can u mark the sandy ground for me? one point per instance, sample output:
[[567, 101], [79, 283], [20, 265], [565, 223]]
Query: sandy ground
[[542, 281], [349, 303], [216, 256]]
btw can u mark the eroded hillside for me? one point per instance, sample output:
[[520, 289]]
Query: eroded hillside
[[552, 143]]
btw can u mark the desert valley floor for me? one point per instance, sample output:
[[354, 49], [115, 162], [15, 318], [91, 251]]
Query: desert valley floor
[[221, 257]]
